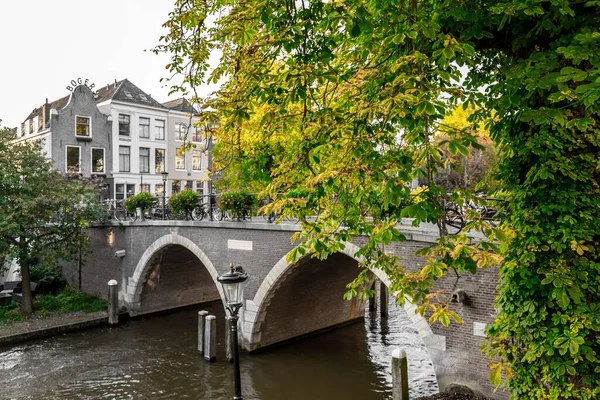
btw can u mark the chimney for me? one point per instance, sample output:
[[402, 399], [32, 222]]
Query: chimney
[[44, 115]]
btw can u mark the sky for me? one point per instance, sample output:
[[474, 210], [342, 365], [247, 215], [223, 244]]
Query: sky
[[46, 44]]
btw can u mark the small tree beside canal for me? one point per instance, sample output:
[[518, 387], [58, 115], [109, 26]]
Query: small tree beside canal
[[43, 212]]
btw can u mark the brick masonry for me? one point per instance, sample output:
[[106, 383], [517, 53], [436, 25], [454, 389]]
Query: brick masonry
[[283, 301]]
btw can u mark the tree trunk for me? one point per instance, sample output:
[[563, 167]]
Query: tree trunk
[[27, 300]]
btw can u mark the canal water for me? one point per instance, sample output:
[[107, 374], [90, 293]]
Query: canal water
[[156, 358]]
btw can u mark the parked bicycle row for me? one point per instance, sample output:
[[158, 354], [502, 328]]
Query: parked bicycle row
[[190, 206], [243, 206], [479, 207]]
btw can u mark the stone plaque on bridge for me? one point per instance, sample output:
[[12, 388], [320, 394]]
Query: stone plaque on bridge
[[239, 245]]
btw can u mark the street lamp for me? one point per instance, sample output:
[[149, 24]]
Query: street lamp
[[164, 175], [233, 289]]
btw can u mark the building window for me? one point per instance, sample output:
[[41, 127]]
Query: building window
[[124, 124], [197, 137], [82, 127], [159, 189], [145, 188], [121, 193], [124, 158], [73, 159], [159, 160], [144, 128], [97, 160], [200, 189], [180, 131], [144, 159], [159, 126], [175, 187], [196, 160], [180, 160], [188, 185]]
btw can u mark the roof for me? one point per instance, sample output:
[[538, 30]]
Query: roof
[[56, 104], [180, 104], [124, 91], [127, 92]]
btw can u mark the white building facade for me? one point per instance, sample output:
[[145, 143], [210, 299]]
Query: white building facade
[[122, 134]]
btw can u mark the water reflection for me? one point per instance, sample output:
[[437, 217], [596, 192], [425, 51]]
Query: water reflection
[[156, 358]]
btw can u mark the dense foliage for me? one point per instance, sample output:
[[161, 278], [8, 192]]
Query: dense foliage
[[237, 202], [183, 203], [68, 300], [43, 212], [144, 200], [358, 87]]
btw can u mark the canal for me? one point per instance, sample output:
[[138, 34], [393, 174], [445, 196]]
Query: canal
[[156, 358]]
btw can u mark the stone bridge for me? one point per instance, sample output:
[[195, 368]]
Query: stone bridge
[[169, 264]]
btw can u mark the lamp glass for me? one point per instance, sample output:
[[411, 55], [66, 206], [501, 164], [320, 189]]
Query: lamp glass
[[164, 175], [233, 292]]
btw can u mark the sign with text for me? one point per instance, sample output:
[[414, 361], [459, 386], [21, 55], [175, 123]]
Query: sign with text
[[80, 81]]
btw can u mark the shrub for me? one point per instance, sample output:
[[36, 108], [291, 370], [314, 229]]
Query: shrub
[[183, 203], [237, 202], [143, 200], [48, 274]]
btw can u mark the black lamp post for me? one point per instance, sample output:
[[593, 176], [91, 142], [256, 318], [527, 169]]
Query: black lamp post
[[164, 174], [233, 288]]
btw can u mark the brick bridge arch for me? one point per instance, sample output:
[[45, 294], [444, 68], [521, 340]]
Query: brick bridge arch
[[256, 310], [172, 243]]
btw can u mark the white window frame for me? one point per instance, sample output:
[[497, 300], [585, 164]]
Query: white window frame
[[199, 152], [184, 161], [128, 134], [164, 163], [120, 169], [89, 126], [92, 160], [164, 129], [140, 127], [140, 159], [67, 159], [177, 134]]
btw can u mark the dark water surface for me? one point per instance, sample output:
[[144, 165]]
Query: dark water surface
[[156, 358]]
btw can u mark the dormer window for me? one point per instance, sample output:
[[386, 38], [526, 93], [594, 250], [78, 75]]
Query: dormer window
[[83, 127], [124, 124]]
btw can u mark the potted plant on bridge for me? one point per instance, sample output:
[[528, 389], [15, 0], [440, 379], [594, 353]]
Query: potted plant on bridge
[[183, 203], [143, 201], [238, 203]]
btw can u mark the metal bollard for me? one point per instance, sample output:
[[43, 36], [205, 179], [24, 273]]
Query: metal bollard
[[399, 375], [210, 338], [201, 324], [113, 302]]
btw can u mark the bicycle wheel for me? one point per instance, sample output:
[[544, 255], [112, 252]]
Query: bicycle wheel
[[219, 215], [198, 213], [454, 221], [130, 216]]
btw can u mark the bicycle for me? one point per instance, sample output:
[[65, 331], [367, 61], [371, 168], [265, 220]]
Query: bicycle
[[200, 212], [117, 211], [456, 216]]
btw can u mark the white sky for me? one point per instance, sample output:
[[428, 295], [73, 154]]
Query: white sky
[[45, 44]]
